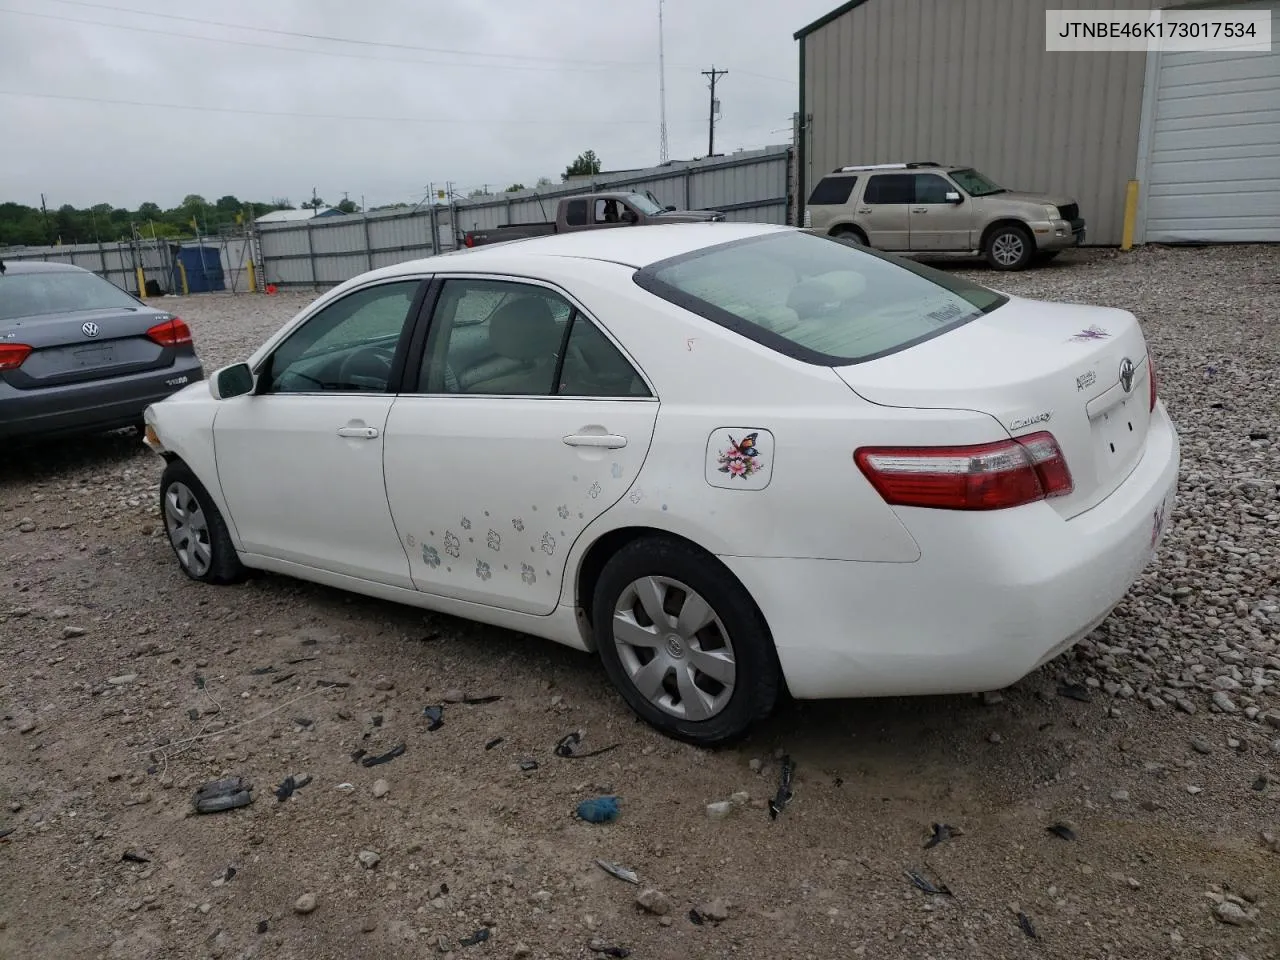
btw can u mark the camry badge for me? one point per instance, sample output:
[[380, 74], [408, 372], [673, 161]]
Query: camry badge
[[1126, 374], [89, 329], [1020, 422]]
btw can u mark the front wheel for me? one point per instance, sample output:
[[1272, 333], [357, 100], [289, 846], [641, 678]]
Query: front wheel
[[683, 642], [196, 530], [1009, 247]]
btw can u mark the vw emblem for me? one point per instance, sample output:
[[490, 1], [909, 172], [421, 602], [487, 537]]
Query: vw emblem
[[1126, 374], [89, 329]]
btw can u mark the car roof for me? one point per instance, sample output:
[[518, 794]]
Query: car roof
[[631, 247], [39, 266]]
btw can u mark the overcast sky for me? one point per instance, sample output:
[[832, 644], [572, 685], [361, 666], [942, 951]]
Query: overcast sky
[[522, 86]]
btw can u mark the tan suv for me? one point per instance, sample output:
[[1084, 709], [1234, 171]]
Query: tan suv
[[937, 208]]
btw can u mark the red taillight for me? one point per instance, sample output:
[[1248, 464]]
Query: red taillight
[[12, 355], [987, 476], [171, 333], [1151, 379]]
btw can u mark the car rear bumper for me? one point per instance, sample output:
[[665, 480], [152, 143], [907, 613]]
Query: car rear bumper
[[89, 407], [992, 597]]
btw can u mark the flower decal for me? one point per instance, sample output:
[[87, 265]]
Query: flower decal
[[452, 545], [594, 490], [741, 459], [411, 541], [527, 574], [518, 524], [430, 556], [548, 544], [616, 471], [636, 496], [495, 540], [465, 524], [482, 570], [563, 511]]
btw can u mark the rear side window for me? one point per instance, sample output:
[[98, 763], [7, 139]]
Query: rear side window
[[891, 188], [817, 299], [832, 191], [576, 213], [59, 291]]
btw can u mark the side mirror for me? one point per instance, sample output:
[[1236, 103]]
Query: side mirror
[[629, 216], [670, 208], [233, 381], [953, 197]]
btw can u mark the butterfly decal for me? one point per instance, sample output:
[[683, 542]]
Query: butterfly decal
[[747, 447]]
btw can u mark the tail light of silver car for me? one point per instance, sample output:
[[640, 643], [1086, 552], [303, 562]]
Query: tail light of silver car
[[12, 355], [1152, 386], [171, 333], [989, 476]]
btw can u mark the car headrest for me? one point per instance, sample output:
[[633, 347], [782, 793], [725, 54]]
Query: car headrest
[[524, 330]]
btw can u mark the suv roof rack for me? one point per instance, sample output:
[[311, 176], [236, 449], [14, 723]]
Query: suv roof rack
[[886, 166]]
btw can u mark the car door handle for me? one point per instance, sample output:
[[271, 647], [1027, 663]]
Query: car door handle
[[610, 441], [358, 433], [919, 209], [864, 209]]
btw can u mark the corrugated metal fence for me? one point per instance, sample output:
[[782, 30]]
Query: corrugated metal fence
[[112, 261], [752, 186]]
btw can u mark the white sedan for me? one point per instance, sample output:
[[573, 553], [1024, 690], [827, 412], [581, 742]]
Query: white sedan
[[727, 457]]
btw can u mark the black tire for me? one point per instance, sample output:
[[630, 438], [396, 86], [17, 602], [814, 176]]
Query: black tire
[[1007, 239], [757, 674], [850, 233], [223, 564]]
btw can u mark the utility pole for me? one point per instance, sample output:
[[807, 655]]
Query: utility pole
[[45, 211], [715, 75]]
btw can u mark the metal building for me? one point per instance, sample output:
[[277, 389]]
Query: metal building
[[970, 81]]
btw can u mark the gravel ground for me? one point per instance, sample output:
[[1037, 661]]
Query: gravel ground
[[127, 686]]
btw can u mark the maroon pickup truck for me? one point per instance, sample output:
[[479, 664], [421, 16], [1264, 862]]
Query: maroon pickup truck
[[594, 211]]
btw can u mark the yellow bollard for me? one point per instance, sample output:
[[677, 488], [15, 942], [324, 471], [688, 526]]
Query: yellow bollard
[[182, 272], [253, 278], [142, 283], [1130, 214]]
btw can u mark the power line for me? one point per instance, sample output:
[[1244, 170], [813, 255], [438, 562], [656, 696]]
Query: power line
[[575, 63], [472, 121]]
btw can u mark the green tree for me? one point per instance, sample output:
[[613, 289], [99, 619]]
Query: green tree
[[314, 204], [542, 182], [149, 211], [193, 200], [348, 206], [587, 164], [228, 204], [516, 188]]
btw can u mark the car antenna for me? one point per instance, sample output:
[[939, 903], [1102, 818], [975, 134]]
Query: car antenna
[[540, 206]]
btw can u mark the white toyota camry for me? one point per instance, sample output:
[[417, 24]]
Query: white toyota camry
[[725, 456]]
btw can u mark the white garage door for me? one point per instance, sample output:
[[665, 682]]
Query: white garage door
[[1214, 167]]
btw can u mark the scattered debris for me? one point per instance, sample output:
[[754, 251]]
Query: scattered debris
[[263, 926], [480, 701], [1062, 830], [332, 683], [622, 873], [284, 677], [376, 719], [122, 680], [303, 721], [381, 788], [919, 881], [435, 717], [383, 758], [134, 856], [1027, 927], [290, 784], [608, 950], [941, 833], [6, 832], [529, 765], [260, 671], [695, 917], [368, 859], [357, 754], [345, 787], [305, 903], [784, 794], [480, 936], [225, 877], [716, 910], [653, 901], [1235, 914], [493, 743], [719, 810], [567, 747], [294, 663], [599, 809], [1075, 691], [225, 794], [1261, 782]]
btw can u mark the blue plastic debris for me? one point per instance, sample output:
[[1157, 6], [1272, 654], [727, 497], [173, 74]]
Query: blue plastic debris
[[599, 809]]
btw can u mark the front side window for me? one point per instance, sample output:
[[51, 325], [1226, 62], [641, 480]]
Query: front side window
[[644, 204], [818, 299], [348, 346], [499, 337], [890, 188], [609, 210], [931, 188], [832, 191], [975, 184], [58, 291]]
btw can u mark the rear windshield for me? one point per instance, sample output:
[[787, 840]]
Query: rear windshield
[[816, 298], [57, 291]]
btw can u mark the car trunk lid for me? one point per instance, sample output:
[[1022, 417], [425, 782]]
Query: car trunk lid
[[85, 345], [1035, 366]]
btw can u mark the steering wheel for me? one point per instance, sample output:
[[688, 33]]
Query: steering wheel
[[368, 369]]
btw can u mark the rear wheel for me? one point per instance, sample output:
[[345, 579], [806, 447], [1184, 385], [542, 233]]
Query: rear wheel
[[683, 642], [1009, 247], [196, 530]]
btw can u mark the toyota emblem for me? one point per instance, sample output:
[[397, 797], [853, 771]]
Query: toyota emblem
[[89, 329], [1126, 374]]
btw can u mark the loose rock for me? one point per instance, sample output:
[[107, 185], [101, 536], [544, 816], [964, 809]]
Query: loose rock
[[381, 788], [654, 901], [305, 903]]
